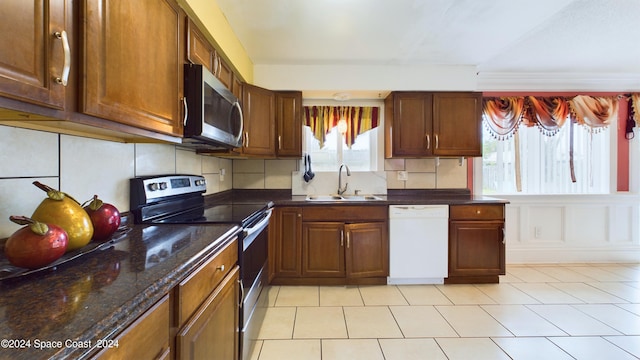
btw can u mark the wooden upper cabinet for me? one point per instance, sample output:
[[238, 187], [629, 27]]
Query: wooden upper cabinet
[[408, 124], [236, 86], [223, 71], [199, 50], [133, 55], [32, 56], [258, 107], [457, 124], [422, 124], [289, 123]]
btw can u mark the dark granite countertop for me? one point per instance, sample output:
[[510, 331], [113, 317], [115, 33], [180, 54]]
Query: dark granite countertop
[[393, 197], [96, 296], [99, 294]]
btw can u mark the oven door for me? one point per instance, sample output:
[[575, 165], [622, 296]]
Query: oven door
[[253, 274]]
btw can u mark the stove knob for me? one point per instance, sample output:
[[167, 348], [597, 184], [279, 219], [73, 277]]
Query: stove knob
[[163, 185], [153, 186]]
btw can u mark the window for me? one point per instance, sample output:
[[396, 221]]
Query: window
[[361, 125], [362, 156], [545, 167]]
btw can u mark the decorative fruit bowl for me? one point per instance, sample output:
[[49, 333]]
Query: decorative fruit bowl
[[8, 271]]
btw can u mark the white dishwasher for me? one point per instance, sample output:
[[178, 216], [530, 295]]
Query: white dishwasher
[[418, 244]]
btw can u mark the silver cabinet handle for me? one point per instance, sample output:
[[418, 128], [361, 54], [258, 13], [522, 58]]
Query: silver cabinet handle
[[341, 237], [347, 239], [186, 110], [62, 35], [428, 141], [216, 62], [436, 141], [237, 106], [280, 142], [241, 293]]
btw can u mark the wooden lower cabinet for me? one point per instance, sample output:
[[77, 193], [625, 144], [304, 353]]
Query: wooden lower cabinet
[[345, 251], [213, 331], [146, 338], [476, 244], [287, 250], [330, 245], [367, 252], [323, 249]]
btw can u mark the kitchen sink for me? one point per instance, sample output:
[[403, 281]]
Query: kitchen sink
[[343, 198]]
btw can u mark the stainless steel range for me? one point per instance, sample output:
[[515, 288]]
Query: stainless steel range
[[179, 199]]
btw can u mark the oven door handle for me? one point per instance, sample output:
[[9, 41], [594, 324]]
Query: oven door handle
[[259, 226]]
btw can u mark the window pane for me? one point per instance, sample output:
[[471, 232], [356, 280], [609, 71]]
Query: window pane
[[361, 156], [544, 162]]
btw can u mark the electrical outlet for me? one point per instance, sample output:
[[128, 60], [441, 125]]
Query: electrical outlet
[[403, 175], [537, 232]]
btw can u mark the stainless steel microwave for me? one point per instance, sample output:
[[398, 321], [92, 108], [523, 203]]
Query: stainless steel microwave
[[213, 116]]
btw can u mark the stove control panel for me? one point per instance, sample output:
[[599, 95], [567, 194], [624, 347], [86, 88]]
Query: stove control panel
[[147, 189]]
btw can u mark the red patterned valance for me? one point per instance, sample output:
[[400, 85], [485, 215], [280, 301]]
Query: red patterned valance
[[359, 119]]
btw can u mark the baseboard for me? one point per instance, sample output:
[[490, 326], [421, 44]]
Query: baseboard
[[572, 255]]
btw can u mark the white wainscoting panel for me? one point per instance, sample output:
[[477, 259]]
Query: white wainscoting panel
[[573, 229]]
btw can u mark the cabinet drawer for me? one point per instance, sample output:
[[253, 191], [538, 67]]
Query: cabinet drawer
[[147, 337], [193, 290], [344, 213], [476, 212]]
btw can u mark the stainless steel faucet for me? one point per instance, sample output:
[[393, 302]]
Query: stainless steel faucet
[[342, 190]]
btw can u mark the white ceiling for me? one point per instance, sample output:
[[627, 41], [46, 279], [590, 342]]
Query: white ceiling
[[496, 36]]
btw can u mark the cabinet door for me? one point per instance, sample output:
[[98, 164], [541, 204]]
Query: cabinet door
[[457, 124], [213, 332], [128, 75], [32, 57], [289, 123], [476, 248], [367, 249], [146, 338], [223, 71], [323, 249], [199, 50], [236, 86], [258, 106], [288, 244], [411, 127]]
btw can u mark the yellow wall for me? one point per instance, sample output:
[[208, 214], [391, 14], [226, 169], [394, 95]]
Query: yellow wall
[[210, 18]]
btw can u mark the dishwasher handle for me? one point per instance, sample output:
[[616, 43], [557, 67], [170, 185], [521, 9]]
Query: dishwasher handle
[[420, 211]]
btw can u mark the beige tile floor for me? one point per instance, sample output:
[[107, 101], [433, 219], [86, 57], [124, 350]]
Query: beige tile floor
[[574, 311]]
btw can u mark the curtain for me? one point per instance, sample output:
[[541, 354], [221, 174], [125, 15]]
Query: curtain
[[502, 116], [359, 119], [634, 100]]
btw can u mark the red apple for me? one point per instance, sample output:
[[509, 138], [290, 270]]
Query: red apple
[[104, 217], [35, 245]]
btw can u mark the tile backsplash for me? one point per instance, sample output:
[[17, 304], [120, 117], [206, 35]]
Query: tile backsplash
[[83, 167]]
